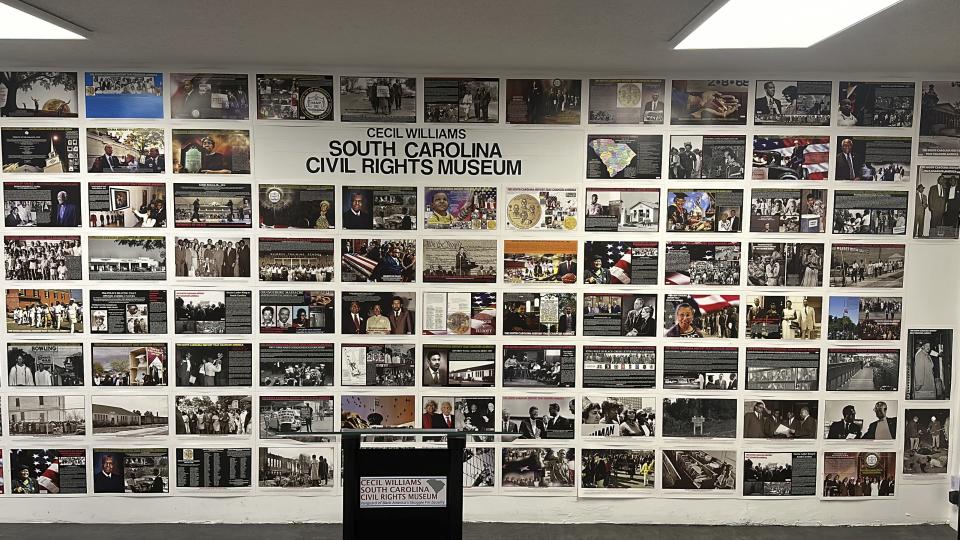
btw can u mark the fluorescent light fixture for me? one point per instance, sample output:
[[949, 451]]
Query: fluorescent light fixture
[[758, 24], [21, 21]]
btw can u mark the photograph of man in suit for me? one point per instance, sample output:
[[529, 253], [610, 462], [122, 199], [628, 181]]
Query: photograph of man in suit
[[532, 427], [66, 214], [390, 268], [445, 419], [848, 163], [354, 323], [937, 204], [568, 266], [883, 428], [640, 321], [556, 421], [767, 104], [155, 161], [804, 427], [108, 480], [758, 423], [655, 104], [357, 216], [506, 426], [434, 372], [106, 162], [848, 427], [401, 319]]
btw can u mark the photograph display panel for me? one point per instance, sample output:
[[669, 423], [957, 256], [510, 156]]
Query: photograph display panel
[[620, 263], [709, 102], [297, 206], [875, 104], [937, 202], [626, 101], [870, 212], [295, 97], [42, 204], [52, 94], [779, 474], [622, 210], [939, 111], [632, 157], [707, 156], [619, 366], [450, 100], [123, 205], [859, 474], [788, 210], [44, 150], [792, 103], [772, 369], [117, 150]]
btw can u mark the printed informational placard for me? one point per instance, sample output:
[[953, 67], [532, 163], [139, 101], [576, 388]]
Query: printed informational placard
[[785, 317], [696, 368], [929, 363], [699, 471], [709, 102], [876, 104], [620, 263], [779, 474], [460, 208], [867, 265], [792, 103], [211, 151], [463, 365], [702, 263], [49, 150], [702, 418], [873, 159], [707, 156], [716, 210], [45, 364], [378, 99], [296, 364], [452, 100], [126, 364], [377, 364], [459, 313], [295, 97], [623, 209], [858, 475], [788, 210], [53, 94], [701, 316], [626, 315], [539, 365], [217, 468], [111, 94], [624, 156], [541, 209], [865, 318], [785, 264], [297, 206], [543, 101], [124, 205], [454, 261], [118, 150], [870, 212], [863, 370], [626, 101], [213, 311], [791, 157], [221, 96], [48, 471], [129, 311], [131, 470], [42, 204], [212, 205], [619, 366], [937, 202], [778, 369], [938, 118]]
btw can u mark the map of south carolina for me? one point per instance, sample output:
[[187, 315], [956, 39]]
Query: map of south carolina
[[616, 156]]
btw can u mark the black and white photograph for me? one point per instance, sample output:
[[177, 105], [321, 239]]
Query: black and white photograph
[[212, 206], [626, 101], [620, 263], [39, 94], [785, 264], [619, 416], [378, 364], [541, 209], [875, 104], [135, 205], [473, 413], [213, 364], [709, 102], [378, 313], [869, 318], [42, 204], [780, 419], [460, 313], [296, 364], [792, 103], [459, 365], [45, 311], [540, 261], [209, 96], [870, 212], [538, 467], [702, 263], [461, 100], [937, 202], [780, 157], [699, 418], [294, 97], [631, 470], [380, 260], [701, 368], [47, 416], [788, 210], [214, 469], [540, 314], [211, 151], [779, 474], [286, 311], [296, 468], [526, 366], [479, 465], [859, 475], [208, 311], [869, 266], [622, 210], [119, 94], [538, 417], [460, 208], [45, 150], [544, 101], [784, 317], [929, 363], [781, 369], [458, 261], [131, 470], [926, 450], [619, 315], [863, 370], [295, 259], [377, 411], [128, 258], [939, 110], [619, 366], [297, 206], [849, 419], [125, 150], [207, 415], [42, 258], [707, 315], [201, 257], [392, 208], [624, 157], [873, 159], [128, 311], [699, 471], [117, 364], [296, 418], [378, 99], [45, 364], [717, 210], [48, 471], [130, 417], [719, 157]]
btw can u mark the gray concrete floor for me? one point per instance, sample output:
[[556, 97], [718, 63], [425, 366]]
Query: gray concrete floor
[[474, 531]]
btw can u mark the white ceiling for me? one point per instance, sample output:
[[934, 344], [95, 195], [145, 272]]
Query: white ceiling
[[479, 36]]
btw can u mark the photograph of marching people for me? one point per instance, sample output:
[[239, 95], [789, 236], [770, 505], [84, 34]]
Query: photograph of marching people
[[541, 209], [699, 471], [621, 416], [707, 156], [627, 315], [211, 311], [539, 366], [702, 263], [779, 474], [848, 419], [128, 312], [377, 411], [42, 204], [875, 104], [788, 210], [459, 365], [785, 264], [777, 369], [783, 157], [620, 263], [700, 368], [45, 364], [214, 415], [295, 259], [134, 258], [125, 150], [459, 413], [939, 109], [863, 370], [459, 261], [296, 467], [626, 101], [859, 474], [867, 265], [123, 94], [460, 208], [294, 97], [42, 258], [127, 205], [717, 210], [129, 364], [214, 364], [709, 102], [221, 96], [538, 467], [619, 366], [479, 465], [865, 317], [379, 260], [459, 314], [544, 101], [378, 99], [48, 150], [131, 470], [937, 207], [297, 312], [925, 444], [212, 206], [296, 418], [624, 157], [214, 468], [873, 159], [616, 468], [536, 261], [130, 416], [362, 312], [870, 212], [792, 103], [212, 256], [296, 364], [48, 471], [452, 100], [47, 416], [51, 311], [52, 93], [784, 317], [380, 364], [699, 417], [930, 363], [297, 206], [211, 151], [539, 314], [780, 419], [538, 417], [392, 208], [714, 316], [623, 209]]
